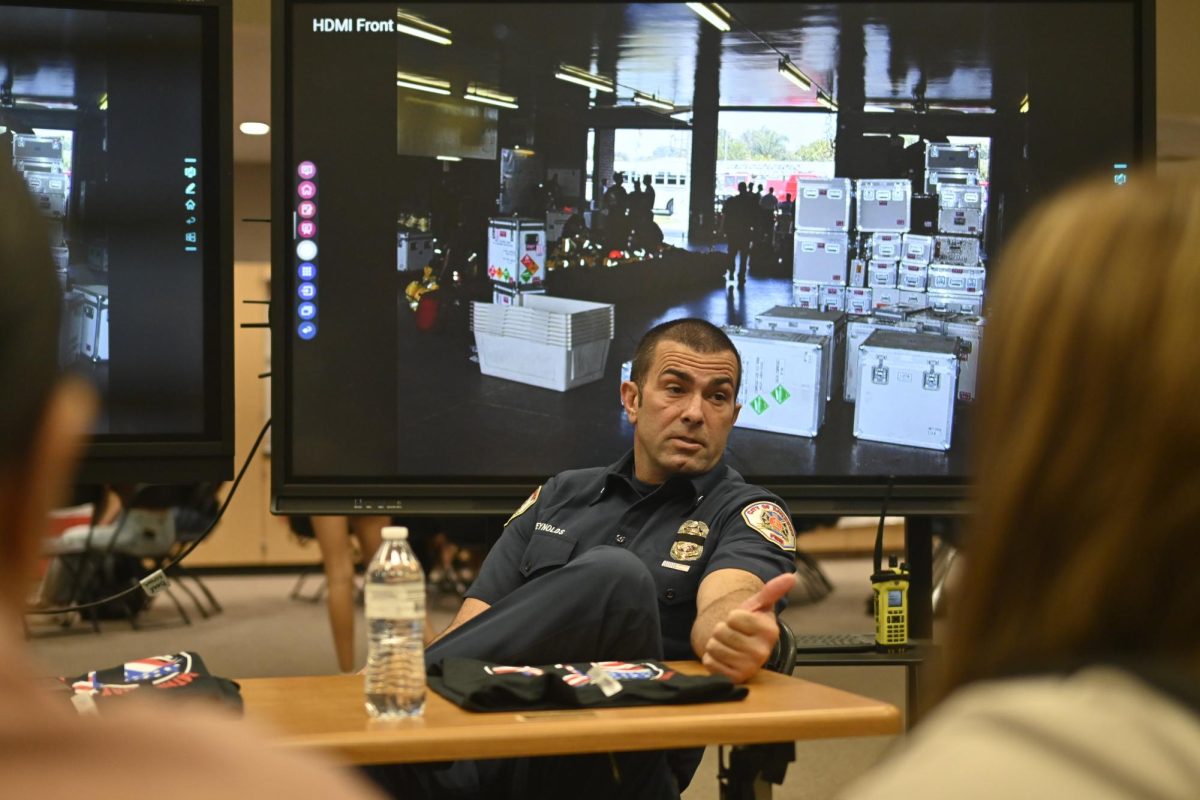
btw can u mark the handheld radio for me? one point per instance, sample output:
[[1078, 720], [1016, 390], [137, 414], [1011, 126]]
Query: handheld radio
[[891, 605], [890, 587]]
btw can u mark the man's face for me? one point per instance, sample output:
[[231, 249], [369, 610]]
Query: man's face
[[683, 417]]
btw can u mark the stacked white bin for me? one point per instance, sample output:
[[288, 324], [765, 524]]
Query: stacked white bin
[[552, 342]]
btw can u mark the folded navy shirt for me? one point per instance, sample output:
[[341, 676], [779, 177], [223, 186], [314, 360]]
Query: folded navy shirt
[[484, 686]]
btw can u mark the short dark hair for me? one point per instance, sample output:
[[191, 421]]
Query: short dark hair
[[698, 334], [30, 305], [741, 186]]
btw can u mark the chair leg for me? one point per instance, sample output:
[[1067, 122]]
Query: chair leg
[[195, 600], [216, 607], [179, 607]]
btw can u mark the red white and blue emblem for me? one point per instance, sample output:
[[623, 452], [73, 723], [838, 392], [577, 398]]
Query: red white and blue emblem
[[153, 669], [159, 672], [620, 670]]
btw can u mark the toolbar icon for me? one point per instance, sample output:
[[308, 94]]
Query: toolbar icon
[[306, 250], [307, 190], [306, 310], [307, 229], [189, 172], [307, 209], [307, 170], [306, 291], [306, 271], [307, 330]]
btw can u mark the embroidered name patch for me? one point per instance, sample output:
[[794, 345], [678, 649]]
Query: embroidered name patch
[[525, 506], [771, 521]]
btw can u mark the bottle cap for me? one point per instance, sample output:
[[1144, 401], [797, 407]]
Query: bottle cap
[[395, 532]]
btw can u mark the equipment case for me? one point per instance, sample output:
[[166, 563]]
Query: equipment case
[[820, 257], [907, 386], [790, 319], [884, 205], [784, 386], [823, 205]]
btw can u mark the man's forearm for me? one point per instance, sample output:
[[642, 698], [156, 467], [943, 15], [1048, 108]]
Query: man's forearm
[[714, 613]]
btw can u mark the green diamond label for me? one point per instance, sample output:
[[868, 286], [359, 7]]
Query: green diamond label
[[758, 404], [780, 394]]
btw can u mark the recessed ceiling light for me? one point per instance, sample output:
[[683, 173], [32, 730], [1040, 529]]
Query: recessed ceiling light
[[254, 128]]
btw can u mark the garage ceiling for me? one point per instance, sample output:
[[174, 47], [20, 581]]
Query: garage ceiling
[[937, 52]]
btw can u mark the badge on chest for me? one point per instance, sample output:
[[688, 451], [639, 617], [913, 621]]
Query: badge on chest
[[689, 541]]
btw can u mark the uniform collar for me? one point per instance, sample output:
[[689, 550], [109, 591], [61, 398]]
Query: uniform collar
[[697, 486]]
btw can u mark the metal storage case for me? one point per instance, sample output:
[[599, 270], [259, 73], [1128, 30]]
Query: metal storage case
[[912, 275], [858, 273], [881, 274], [516, 250], [783, 387], [831, 297], [950, 196], [965, 221], [823, 205], [859, 301], [886, 245], [969, 330], [952, 156], [806, 294], [917, 248], [955, 302], [962, 251], [93, 321], [884, 205], [820, 257], [952, 278], [857, 331], [950, 177], [907, 387], [414, 250], [814, 322]]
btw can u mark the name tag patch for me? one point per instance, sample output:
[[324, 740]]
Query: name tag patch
[[680, 567]]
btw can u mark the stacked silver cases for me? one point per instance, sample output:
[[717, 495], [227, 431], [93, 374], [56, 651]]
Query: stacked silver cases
[[821, 245], [832, 324], [783, 387], [951, 165], [39, 161], [956, 272], [907, 387], [884, 217]]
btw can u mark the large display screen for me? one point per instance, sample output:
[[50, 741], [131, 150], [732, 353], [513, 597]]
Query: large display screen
[[112, 114], [434, 355]]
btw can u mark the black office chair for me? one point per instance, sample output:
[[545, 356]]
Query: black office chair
[[747, 764]]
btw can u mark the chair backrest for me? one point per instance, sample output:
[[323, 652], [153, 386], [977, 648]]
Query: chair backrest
[[783, 657]]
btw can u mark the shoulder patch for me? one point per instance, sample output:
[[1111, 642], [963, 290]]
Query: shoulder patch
[[771, 521], [526, 505]]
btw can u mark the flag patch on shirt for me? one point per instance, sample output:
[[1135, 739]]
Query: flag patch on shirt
[[525, 506], [772, 522]]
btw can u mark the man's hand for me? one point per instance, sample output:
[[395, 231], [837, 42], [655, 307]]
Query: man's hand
[[742, 642]]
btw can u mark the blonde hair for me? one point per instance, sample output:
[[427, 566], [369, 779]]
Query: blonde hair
[[1087, 459]]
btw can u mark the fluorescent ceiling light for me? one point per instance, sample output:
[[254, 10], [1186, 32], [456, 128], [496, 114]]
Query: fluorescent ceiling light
[[826, 101], [644, 99], [713, 13], [1024, 107], [422, 83], [790, 71], [448, 158], [582, 77], [415, 26], [254, 128], [480, 94], [872, 108]]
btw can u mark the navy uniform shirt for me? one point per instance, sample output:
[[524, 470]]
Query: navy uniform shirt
[[682, 530]]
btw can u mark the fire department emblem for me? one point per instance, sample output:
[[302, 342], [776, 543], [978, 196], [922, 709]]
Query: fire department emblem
[[772, 523], [689, 542], [693, 527], [525, 506]]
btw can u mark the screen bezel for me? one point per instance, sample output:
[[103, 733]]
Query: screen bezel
[[818, 496], [168, 458]]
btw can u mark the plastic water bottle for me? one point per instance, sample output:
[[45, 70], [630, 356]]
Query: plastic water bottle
[[395, 600]]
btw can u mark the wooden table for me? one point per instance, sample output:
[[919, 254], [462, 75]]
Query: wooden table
[[326, 712]]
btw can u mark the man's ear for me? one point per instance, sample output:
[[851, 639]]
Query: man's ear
[[629, 399], [737, 409], [32, 488]]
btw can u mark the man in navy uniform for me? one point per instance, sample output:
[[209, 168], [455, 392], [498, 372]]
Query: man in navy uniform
[[668, 553]]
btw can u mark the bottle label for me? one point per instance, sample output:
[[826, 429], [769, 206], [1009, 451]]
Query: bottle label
[[395, 602]]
